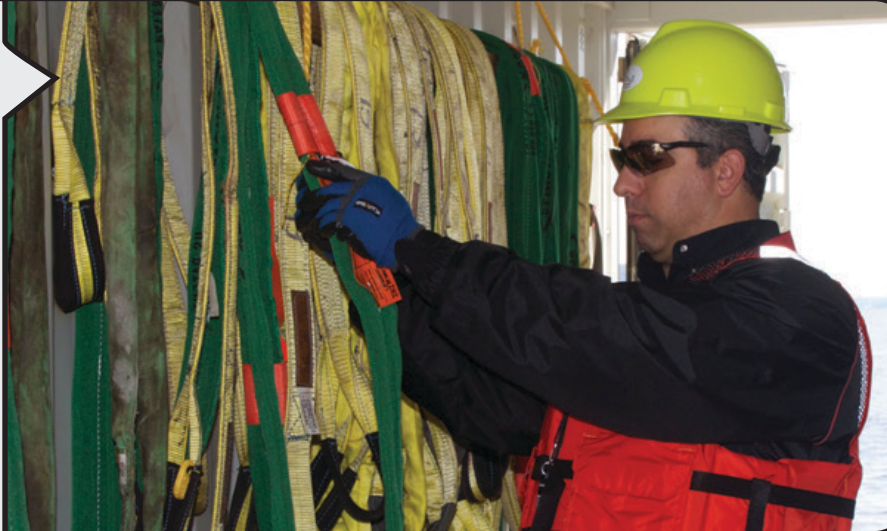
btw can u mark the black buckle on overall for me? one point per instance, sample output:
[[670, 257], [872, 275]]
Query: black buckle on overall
[[551, 475]]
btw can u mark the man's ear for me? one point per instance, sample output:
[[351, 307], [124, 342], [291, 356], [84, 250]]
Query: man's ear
[[731, 169]]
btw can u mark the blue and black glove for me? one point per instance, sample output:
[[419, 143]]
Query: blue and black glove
[[360, 208]]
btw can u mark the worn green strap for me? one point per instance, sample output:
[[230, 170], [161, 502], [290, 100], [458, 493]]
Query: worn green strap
[[118, 74], [129, 223], [16, 500], [285, 74], [260, 336], [28, 292], [153, 413]]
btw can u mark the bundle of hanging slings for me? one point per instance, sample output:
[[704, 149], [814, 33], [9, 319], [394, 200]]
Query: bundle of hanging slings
[[229, 337]]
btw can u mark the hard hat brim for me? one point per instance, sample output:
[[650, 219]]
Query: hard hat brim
[[634, 111]]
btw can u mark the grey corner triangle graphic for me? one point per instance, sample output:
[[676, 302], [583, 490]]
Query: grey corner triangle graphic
[[22, 79]]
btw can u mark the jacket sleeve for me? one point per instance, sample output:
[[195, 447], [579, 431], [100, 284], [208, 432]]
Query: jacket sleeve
[[763, 353], [481, 411]]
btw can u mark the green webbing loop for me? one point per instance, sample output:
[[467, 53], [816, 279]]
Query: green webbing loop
[[285, 74], [256, 308]]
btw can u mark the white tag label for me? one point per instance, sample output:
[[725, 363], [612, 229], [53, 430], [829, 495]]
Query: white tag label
[[213, 310], [308, 418]]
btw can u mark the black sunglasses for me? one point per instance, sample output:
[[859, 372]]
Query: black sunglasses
[[649, 157]]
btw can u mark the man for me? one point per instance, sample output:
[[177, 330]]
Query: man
[[725, 390]]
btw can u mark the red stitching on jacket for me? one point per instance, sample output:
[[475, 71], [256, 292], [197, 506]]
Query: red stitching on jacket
[[712, 270]]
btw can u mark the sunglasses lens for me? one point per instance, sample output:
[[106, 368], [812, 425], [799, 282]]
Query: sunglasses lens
[[643, 158], [618, 158]]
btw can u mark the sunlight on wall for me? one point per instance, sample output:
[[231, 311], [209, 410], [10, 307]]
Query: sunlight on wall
[[837, 189], [838, 183]]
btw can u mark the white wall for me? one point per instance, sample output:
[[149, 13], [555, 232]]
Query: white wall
[[640, 16]]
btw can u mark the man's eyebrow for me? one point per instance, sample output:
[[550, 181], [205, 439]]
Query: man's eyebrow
[[639, 141]]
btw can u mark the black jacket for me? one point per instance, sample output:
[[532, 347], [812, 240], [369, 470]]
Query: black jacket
[[754, 354]]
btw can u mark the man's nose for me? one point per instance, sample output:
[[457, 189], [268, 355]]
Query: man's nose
[[628, 183]]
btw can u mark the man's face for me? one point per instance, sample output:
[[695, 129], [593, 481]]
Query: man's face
[[673, 203]]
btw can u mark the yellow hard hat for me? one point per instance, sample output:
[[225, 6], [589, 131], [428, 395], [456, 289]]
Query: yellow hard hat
[[703, 68]]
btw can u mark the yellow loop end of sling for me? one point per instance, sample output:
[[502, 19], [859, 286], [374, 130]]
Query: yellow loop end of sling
[[180, 488]]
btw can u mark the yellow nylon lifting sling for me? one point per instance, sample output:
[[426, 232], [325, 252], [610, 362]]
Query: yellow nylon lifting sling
[[185, 445], [391, 92], [458, 194], [453, 112], [409, 95], [380, 331], [483, 102], [78, 268], [439, 459], [231, 401], [95, 469], [346, 400]]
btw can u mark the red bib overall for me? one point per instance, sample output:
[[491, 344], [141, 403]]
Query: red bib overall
[[593, 478]]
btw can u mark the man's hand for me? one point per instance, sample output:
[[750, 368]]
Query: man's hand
[[360, 208]]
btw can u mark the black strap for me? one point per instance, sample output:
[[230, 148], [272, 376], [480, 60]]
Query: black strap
[[447, 515], [321, 472], [177, 514], [239, 502], [328, 513], [760, 493], [375, 450], [551, 472], [325, 470], [551, 476], [757, 504]]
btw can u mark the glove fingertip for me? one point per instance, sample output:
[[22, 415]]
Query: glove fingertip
[[323, 169]]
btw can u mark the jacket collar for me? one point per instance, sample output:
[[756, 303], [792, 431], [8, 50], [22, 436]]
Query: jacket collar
[[698, 251]]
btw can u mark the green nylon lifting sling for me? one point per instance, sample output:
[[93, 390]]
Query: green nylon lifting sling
[[256, 307], [96, 499], [130, 221], [380, 324], [153, 414], [560, 178], [28, 307], [16, 499], [540, 136]]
